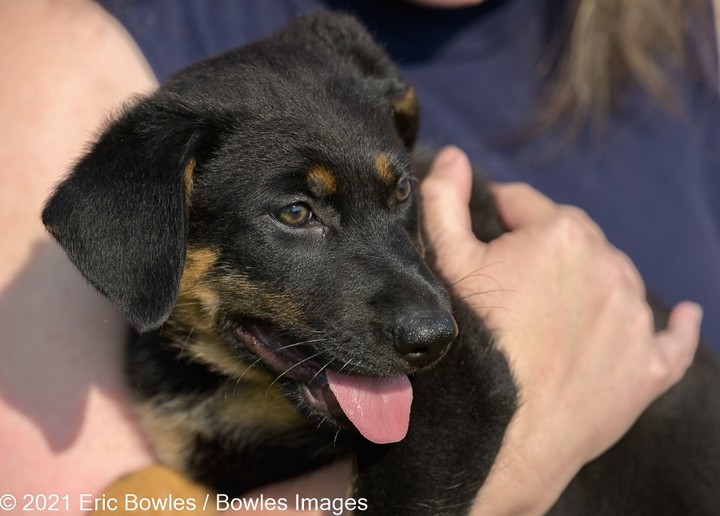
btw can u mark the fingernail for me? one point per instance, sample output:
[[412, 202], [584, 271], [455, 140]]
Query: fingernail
[[447, 156], [695, 307]]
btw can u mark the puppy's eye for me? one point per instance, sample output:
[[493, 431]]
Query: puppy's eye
[[294, 215], [402, 191]]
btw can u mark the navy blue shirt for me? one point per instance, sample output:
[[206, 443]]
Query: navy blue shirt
[[650, 178]]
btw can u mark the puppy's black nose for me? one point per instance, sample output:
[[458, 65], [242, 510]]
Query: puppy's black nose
[[422, 339]]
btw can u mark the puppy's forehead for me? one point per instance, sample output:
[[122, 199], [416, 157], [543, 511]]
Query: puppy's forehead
[[373, 170]]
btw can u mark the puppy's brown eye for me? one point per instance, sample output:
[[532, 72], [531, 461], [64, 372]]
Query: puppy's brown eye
[[294, 215], [402, 191]]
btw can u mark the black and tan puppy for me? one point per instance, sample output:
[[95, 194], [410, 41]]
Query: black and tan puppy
[[255, 220]]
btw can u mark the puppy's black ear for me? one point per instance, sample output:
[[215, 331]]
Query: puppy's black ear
[[120, 214], [406, 114], [350, 43]]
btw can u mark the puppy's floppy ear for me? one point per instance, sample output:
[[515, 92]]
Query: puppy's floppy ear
[[120, 214], [350, 43]]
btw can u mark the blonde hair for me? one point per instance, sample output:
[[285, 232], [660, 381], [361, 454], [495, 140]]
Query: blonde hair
[[604, 46]]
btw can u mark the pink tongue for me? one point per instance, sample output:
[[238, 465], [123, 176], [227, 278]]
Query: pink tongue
[[378, 407]]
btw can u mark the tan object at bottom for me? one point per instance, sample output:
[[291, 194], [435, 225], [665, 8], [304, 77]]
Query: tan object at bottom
[[156, 490]]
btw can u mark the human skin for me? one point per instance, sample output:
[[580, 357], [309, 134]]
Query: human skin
[[567, 362], [62, 425], [65, 423]]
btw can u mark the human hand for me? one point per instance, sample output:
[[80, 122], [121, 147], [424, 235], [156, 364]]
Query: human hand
[[571, 316]]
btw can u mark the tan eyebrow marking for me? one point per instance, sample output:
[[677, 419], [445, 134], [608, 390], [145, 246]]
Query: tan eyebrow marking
[[322, 181], [383, 169]]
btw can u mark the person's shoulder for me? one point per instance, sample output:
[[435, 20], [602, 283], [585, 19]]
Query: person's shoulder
[[80, 20], [67, 40]]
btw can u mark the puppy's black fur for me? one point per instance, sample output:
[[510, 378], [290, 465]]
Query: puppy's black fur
[[254, 220]]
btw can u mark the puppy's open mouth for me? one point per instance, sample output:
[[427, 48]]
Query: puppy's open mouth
[[378, 407]]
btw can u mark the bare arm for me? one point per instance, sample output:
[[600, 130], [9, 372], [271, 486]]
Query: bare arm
[[65, 64]]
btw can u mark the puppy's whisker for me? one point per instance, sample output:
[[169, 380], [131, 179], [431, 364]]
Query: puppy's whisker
[[298, 344], [320, 371], [482, 292], [252, 364], [471, 308], [475, 273], [258, 360], [345, 365], [185, 345], [290, 369], [188, 303]]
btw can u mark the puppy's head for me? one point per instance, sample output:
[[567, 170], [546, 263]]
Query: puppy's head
[[265, 199]]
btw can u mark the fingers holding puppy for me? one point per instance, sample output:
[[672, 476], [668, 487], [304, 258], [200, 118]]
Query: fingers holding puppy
[[569, 311]]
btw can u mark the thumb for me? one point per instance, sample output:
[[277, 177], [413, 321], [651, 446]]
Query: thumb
[[679, 341], [445, 196]]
